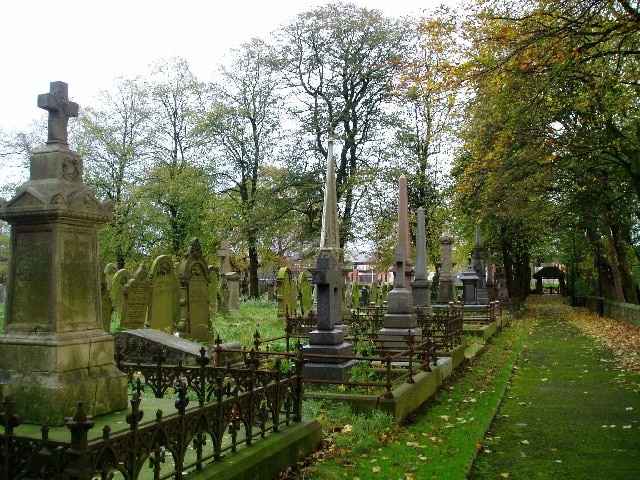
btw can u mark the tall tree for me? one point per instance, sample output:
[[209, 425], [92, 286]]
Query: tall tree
[[114, 139], [340, 61], [178, 179], [243, 125]]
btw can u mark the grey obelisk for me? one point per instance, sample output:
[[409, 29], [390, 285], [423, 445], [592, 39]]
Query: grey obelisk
[[330, 233], [421, 283], [404, 240]]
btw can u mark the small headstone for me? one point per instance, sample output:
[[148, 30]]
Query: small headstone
[[223, 296], [135, 300], [225, 254], [193, 273], [233, 283], [106, 308], [109, 271], [120, 279], [162, 295], [285, 292], [214, 275], [305, 295]]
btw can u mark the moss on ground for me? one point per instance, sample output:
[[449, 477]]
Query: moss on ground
[[571, 410]]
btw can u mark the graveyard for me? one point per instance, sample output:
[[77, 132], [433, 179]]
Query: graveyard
[[87, 349]]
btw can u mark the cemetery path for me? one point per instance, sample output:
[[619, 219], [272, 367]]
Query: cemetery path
[[572, 407]]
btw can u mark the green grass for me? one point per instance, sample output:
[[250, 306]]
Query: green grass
[[440, 440], [240, 325], [570, 411]]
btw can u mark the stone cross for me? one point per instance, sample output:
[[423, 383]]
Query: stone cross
[[225, 257], [60, 109], [328, 278]]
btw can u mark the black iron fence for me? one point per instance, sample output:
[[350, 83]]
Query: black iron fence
[[217, 410]]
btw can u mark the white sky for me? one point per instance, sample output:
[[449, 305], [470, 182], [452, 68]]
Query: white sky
[[89, 43]]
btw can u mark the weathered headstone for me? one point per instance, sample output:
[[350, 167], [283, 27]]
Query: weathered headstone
[[118, 282], [109, 271], [233, 284], [135, 300], [162, 296], [445, 287], [285, 292], [271, 290], [327, 339], [54, 351], [223, 296], [214, 285], [305, 295], [225, 255], [106, 307], [193, 273], [330, 232]]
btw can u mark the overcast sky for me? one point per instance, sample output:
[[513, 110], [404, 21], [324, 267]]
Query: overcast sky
[[89, 43]]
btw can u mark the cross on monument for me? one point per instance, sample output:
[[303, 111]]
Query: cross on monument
[[60, 109], [328, 279]]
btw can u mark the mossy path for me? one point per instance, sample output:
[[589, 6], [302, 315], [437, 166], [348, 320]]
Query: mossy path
[[572, 409]]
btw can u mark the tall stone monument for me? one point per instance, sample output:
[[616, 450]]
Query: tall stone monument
[[330, 233], [404, 239], [54, 351], [446, 292], [421, 283]]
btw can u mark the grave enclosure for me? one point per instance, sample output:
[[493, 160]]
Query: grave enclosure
[[57, 366]]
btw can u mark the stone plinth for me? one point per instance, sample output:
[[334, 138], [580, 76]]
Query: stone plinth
[[328, 339], [54, 351], [400, 319]]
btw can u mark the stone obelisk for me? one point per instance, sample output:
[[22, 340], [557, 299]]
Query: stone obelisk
[[330, 233], [54, 352], [404, 240], [421, 283]]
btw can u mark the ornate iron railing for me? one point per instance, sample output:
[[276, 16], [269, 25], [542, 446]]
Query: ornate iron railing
[[235, 407], [443, 324]]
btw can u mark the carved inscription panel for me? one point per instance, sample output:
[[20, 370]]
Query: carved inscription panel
[[31, 287], [77, 295]]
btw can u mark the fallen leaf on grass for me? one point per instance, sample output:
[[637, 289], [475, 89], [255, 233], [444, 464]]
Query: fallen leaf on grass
[[504, 475], [524, 442]]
